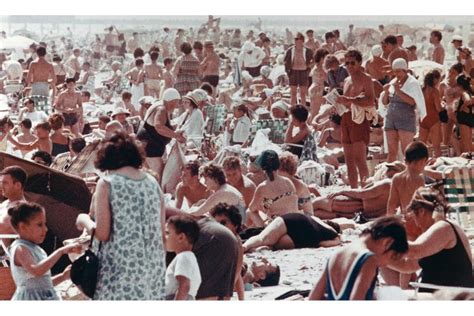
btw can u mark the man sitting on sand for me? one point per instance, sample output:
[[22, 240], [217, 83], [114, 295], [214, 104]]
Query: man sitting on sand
[[371, 200], [190, 188]]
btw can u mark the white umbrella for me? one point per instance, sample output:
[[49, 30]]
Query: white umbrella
[[15, 42], [421, 67]]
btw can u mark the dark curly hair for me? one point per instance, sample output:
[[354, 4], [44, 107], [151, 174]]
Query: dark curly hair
[[22, 212], [392, 227], [215, 172], [118, 151], [229, 211]]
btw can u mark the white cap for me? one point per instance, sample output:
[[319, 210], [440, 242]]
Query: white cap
[[200, 95], [377, 50], [171, 94], [400, 63], [265, 71], [456, 38]]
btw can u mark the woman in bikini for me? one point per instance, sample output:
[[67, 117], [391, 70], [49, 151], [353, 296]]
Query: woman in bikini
[[273, 197], [351, 273], [288, 167]]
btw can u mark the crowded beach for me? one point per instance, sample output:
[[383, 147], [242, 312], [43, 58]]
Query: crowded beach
[[214, 163]]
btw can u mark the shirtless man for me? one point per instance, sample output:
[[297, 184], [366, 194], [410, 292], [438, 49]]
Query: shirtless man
[[153, 76], [133, 43], [13, 180], [449, 98], [73, 63], [438, 51], [43, 141], [168, 76], [406, 183], [233, 173], [329, 45], [298, 61], [111, 41], [311, 43], [210, 64], [190, 188], [355, 136], [394, 50], [371, 200], [178, 40], [403, 187], [376, 65], [40, 73], [69, 104]]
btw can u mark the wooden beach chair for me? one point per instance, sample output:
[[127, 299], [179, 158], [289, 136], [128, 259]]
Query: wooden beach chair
[[7, 285], [459, 192], [42, 103], [215, 117]]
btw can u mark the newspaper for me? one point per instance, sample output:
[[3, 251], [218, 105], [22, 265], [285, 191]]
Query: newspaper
[[331, 97]]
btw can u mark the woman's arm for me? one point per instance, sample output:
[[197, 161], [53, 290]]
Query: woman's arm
[[330, 243], [404, 265], [302, 134], [239, 282], [103, 212], [209, 204], [438, 237]]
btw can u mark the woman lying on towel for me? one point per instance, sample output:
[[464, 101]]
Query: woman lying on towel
[[442, 251], [296, 230]]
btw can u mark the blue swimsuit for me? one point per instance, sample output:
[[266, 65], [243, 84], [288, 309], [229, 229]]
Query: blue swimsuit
[[347, 286]]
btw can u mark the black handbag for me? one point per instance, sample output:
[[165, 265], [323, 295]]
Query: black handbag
[[443, 116], [84, 271]]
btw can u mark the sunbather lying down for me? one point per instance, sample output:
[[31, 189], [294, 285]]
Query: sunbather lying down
[[371, 200], [297, 230]]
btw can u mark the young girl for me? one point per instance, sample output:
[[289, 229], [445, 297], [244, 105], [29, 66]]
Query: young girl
[[239, 127], [30, 265], [183, 277]]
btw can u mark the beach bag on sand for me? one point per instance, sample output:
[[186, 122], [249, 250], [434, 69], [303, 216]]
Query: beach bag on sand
[[85, 269]]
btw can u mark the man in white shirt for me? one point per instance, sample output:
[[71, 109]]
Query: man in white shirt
[[29, 112], [251, 58]]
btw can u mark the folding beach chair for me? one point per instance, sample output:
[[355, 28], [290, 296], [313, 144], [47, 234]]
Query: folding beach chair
[[277, 128], [42, 103], [215, 117], [459, 192], [7, 285]]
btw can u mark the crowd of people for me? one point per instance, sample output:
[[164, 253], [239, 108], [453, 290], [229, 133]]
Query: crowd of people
[[149, 105]]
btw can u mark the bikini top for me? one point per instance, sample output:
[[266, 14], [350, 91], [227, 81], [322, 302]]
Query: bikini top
[[267, 203]]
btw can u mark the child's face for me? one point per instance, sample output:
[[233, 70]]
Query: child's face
[[173, 239], [238, 113], [35, 229], [169, 66]]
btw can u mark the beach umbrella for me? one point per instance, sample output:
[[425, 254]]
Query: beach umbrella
[[26, 33], [63, 196], [15, 42], [395, 29], [421, 67]]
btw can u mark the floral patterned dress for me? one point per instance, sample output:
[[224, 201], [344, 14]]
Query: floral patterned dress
[[132, 261]]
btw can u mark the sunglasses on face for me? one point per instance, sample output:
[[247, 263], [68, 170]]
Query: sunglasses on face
[[351, 63]]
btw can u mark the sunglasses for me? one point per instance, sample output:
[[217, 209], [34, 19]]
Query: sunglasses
[[352, 63]]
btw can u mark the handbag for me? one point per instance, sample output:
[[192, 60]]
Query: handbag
[[443, 116], [85, 269]]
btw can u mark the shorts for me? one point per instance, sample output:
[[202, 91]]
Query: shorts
[[351, 132], [299, 78], [70, 119], [40, 88], [153, 84], [400, 117], [253, 71], [213, 80]]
